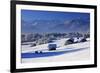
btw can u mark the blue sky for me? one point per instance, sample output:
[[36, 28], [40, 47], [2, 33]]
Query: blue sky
[[30, 15]]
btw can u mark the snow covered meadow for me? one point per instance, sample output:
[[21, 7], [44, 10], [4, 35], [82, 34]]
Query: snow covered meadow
[[71, 52]]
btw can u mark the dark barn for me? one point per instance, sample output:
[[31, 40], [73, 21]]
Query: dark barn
[[52, 46]]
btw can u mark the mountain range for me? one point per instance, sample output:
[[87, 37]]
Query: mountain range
[[42, 26]]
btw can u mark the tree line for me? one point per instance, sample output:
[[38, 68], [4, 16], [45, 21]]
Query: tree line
[[49, 37]]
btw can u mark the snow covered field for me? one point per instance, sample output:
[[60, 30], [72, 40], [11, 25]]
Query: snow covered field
[[82, 52]]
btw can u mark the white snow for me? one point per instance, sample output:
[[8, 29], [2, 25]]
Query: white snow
[[74, 56], [83, 54], [60, 45], [28, 48]]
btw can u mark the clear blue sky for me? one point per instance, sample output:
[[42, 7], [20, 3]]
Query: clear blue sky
[[30, 15]]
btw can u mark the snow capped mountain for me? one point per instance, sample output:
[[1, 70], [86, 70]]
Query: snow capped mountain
[[75, 25]]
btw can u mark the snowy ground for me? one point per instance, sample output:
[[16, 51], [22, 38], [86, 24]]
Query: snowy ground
[[82, 54]]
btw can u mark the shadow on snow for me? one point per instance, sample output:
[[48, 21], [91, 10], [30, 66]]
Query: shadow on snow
[[48, 54]]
